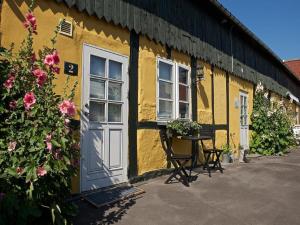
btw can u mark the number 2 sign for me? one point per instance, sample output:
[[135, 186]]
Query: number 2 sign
[[71, 68]]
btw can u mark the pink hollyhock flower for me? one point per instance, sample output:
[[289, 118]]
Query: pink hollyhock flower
[[67, 108], [13, 104], [30, 22], [19, 170], [12, 146], [29, 100], [55, 57], [41, 76], [49, 60], [41, 80], [8, 84], [55, 70], [33, 57], [52, 59], [49, 146], [41, 171]]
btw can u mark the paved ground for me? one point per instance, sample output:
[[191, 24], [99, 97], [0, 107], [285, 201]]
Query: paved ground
[[265, 191]]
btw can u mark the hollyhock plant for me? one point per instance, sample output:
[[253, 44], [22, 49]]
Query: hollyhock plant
[[13, 104], [12, 146], [40, 171], [41, 76], [35, 147], [29, 100], [52, 59], [19, 170], [49, 146], [67, 108], [30, 22], [9, 82]]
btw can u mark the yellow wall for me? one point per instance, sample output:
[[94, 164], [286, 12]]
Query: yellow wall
[[151, 155], [238, 85], [97, 32], [204, 90], [87, 29]]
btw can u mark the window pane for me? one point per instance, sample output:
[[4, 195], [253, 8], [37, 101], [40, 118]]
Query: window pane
[[115, 70], [114, 112], [97, 111], [183, 75], [114, 91], [165, 109], [165, 71], [97, 66], [165, 90], [183, 110], [183, 93], [97, 88]]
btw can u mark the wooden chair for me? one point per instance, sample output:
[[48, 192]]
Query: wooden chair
[[179, 161], [211, 155]]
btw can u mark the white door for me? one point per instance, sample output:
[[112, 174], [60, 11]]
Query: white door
[[104, 120], [244, 126]]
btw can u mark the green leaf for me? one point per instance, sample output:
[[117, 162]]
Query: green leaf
[[55, 143]]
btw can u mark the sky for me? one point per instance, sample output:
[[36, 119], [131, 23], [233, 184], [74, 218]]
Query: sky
[[275, 22]]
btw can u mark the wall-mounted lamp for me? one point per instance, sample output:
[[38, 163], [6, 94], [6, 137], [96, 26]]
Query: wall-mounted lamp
[[200, 73]]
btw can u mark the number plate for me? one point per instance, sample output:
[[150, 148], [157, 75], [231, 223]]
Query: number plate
[[71, 68]]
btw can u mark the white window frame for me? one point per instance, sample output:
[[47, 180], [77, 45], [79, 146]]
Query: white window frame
[[175, 73]]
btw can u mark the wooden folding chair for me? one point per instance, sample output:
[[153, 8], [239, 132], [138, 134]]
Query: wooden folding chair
[[179, 161], [211, 155]]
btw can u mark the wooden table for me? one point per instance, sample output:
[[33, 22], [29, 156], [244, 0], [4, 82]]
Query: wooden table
[[195, 150]]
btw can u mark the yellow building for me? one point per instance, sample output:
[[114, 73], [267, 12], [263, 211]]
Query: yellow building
[[141, 64]]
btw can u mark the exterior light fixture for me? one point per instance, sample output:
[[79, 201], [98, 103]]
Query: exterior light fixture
[[200, 73]]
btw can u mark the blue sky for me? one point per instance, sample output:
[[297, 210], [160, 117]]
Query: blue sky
[[275, 22]]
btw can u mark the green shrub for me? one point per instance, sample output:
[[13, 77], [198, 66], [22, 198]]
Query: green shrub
[[180, 127], [38, 151], [272, 125]]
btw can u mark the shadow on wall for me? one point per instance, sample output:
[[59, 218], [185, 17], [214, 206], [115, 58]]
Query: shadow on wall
[[82, 19], [203, 95]]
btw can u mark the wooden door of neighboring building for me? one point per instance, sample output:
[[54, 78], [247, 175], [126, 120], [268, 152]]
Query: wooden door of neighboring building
[[244, 126]]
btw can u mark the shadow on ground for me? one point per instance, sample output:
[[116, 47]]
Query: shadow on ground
[[110, 214]]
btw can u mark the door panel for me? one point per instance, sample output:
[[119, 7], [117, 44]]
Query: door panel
[[244, 127], [104, 122]]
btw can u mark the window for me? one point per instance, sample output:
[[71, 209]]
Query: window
[[105, 90], [173, 90]]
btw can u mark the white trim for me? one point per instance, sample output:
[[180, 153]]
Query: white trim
[[175, 83], [293, 97]]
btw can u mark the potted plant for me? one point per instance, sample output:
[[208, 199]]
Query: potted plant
[[180, 127], [227, 154]]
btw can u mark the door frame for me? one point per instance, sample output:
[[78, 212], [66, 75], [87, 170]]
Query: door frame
[[125, 149], [244, 94]]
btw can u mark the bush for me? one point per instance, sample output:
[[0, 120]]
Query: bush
[[272, 125], [38, 151]]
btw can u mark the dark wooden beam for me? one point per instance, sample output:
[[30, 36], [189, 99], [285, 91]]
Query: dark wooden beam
[[213, 95], [169, 52], [227, 107], [194, 88], [133, 104]]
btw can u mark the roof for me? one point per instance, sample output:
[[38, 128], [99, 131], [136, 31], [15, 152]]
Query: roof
[[294, 66], [155, 19]]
